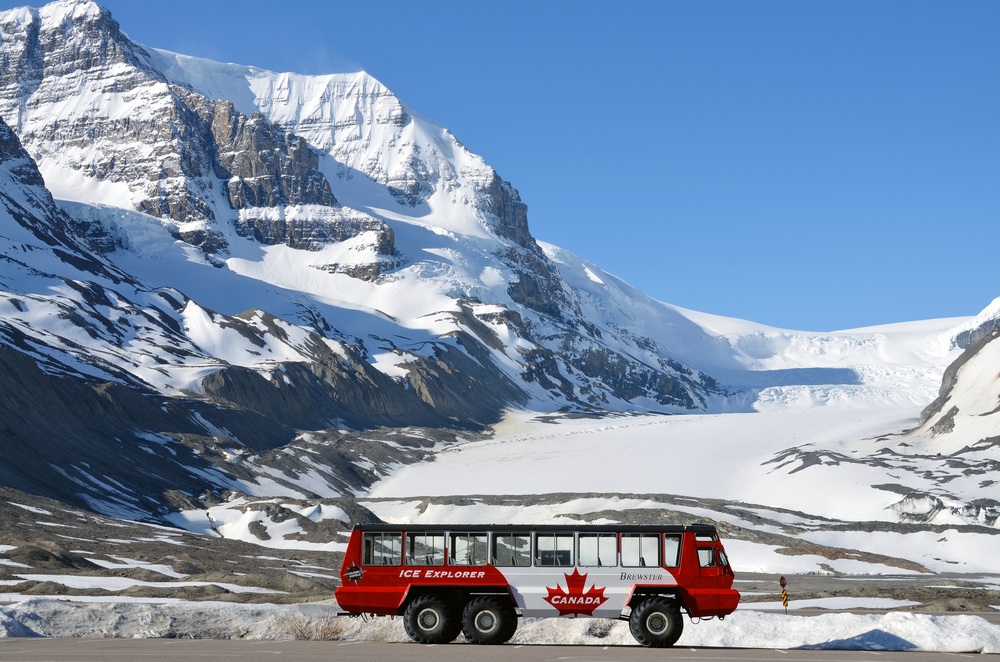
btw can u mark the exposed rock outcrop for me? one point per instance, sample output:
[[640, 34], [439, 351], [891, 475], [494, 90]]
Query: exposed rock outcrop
[[341, 388], [630, 379], [369, 271], [35, 211], [950, 379], [314, 228], [504, 202], [259, 164], [967, 339], [538, 285], [171, 147]]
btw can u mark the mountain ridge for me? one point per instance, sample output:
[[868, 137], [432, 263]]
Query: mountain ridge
[[203, 201]]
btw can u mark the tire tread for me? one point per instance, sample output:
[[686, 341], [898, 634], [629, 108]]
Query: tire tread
[[450, 627], [507, 617], [636, 623]]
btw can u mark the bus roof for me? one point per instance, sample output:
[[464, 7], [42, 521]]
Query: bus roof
[[547, 528]]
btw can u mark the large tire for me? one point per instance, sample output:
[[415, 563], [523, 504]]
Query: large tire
[[511, 628], [656, 623], [429, 620], [489, 620], [455, 627]]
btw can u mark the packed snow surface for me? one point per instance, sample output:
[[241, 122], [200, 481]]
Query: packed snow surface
[[230, 521], [905, 631], [122, 583], [30, 509], [724, 457], [842, 463]]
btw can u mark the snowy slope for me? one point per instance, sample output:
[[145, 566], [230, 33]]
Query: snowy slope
[[961, 431], [832, 472], [348, 116], [841, 478]]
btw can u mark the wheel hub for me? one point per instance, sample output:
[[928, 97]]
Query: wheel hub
[[486, 622], [428, 619], [657, 623]]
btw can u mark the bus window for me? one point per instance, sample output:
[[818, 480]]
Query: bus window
[[554, 549], [511, 549], [382, 549], [706, 557], [598, 549], [468, 549], [671, 550], [640, 549], [425, 548]]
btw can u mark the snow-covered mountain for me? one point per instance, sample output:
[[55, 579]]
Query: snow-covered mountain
[[327, 203], [287, 284]]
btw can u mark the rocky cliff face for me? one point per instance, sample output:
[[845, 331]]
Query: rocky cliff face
[[60, 50], [981, 326], [504, 202], [315, 229], [163, 150], [19, 166], [26, 202], [259, 164]]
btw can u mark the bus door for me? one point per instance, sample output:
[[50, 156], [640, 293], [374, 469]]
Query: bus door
[[710, 570]]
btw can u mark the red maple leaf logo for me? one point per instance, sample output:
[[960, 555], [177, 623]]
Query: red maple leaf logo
[[573, 601]]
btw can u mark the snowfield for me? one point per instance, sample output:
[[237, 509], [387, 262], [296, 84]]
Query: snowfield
[[227, 521], [725, 454], [743, 629], [828, 463]]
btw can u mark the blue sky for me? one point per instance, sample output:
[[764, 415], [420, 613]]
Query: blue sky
[[809, 165]]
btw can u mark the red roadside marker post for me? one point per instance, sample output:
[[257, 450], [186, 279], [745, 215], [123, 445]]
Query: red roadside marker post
[[784, 594]]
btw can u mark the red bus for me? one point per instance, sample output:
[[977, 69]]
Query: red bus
[[477, 579]]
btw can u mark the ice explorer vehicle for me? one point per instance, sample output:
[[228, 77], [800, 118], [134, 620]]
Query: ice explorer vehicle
[[474, 579]]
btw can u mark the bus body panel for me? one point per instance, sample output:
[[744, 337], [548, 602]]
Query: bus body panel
[[602, 592], [381, 600]]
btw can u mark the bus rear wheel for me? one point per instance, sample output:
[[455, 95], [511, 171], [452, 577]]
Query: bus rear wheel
[[488, 621], [656, 623], [429, 620]]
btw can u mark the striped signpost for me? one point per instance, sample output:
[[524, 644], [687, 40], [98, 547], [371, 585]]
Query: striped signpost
[[784, 593]]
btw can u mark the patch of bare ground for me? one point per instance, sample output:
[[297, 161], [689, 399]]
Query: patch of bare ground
[[51, 538]]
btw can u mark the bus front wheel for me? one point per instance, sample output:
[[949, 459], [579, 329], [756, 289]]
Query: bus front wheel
[[656, 623]]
